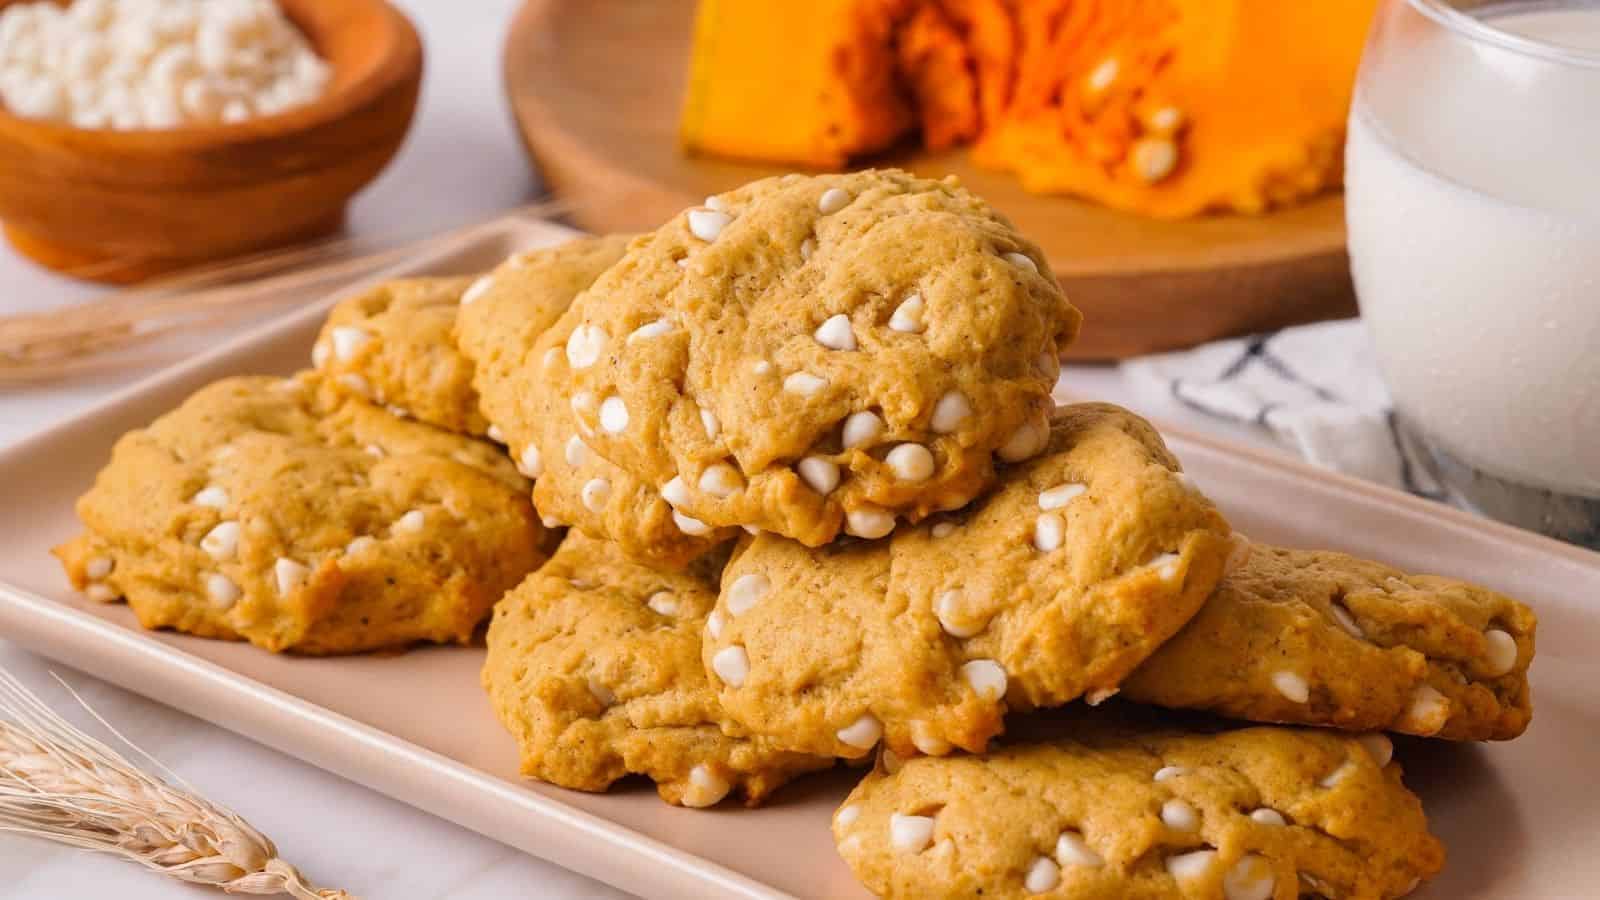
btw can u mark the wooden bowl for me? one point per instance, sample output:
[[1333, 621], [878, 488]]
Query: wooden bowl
[[124, 205]]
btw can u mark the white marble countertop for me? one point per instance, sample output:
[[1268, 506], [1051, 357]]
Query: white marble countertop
[[462, 161]]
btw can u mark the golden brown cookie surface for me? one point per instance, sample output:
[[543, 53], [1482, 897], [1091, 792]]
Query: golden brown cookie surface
[[1259, 813], [395, 345], [811, 355], [289, 514], [1322, 638], [1055, 585], [574, 485], [594, 666]]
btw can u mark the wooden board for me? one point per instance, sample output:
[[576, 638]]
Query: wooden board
[[597, 86]]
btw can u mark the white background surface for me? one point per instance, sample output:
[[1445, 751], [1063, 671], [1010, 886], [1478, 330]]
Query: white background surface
[[462, 161]]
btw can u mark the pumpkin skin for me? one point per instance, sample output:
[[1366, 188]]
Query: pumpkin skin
[[1165, 108]]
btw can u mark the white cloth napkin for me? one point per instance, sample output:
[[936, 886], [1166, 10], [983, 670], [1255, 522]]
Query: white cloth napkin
[[1315, 388]]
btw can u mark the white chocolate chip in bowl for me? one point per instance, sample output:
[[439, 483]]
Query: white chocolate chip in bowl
[[732, 665], [910, 834], [864, 733]]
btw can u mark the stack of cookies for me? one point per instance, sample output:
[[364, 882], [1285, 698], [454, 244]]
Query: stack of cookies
[[818, 504]]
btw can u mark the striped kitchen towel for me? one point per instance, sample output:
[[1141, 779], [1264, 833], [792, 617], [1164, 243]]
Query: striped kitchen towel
[[1315, 388]]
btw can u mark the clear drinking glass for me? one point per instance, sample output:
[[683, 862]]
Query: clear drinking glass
[[1473, 204]]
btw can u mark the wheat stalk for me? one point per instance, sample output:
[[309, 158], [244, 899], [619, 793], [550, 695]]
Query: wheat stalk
[[60, 784]]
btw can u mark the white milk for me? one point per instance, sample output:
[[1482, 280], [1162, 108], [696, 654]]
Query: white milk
[[1473, 179]]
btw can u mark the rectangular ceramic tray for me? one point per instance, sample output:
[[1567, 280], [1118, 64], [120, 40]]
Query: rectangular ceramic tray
[[1520, 820]]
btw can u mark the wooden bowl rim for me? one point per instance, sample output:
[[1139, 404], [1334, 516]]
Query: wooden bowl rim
[[401, 61]]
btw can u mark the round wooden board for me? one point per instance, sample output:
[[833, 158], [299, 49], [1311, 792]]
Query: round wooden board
[[597, 85]]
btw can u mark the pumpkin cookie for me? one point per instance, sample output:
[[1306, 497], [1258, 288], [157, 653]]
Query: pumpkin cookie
[[1122, 814], [291, 515], [395, 345], [575, 486], [806, 355], [594, 666], [1322, 638], [1055, 585]]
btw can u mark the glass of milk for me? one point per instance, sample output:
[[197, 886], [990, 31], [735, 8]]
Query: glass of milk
[[1473, 204]]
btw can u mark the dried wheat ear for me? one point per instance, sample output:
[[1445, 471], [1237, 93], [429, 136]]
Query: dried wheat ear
[[60, 784]]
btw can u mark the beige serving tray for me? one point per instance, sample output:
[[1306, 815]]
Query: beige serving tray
[[1521, 820]]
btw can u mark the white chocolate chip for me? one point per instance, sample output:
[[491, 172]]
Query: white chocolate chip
[[863, 733], [953, 619], [531, 463], [1049, 532], [721, 480], [360, 545], [1026, 442], [1022, 261], [1251, 878], [550, 356], [910, 834], [1378, 746], [1428, 712], [650, 330], [746, 591], [98, 568], [804, 383], [477, 290], [819, 474], [222, 541], [1179, 815], [1100, 695], [714, 623], [832, 200], [944, 529], [761, 367], [1502, 652], [706, 788], [1166, 565], [100, 593], [1164, 120], [847, 816], [410, 523], [1154, 158], [708, 421], [986, 678], [836, 333], [690, 525], [348, 341], [1166, 772], [949, 412], [707, 224], [868, 521], [603, 694], [890, 761], [732, 665], [586, 345], [1292, 686], [595, 493], [1042, 876], [926, 740], [212, 496], [1333, 778], [1192, 865], [807, 247], [675, 492], [750, 529], [614, 415], [860, 428], [222, 591], [289, 575], [1346, 621], [1266, 816], [1103, 76], [576, 452], [907, 317], [663, 602], [356, 383], [715, 203], [495, 434], [1072, 850], [910, 462], [1061, 495], [319, 355], [551, 522]]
